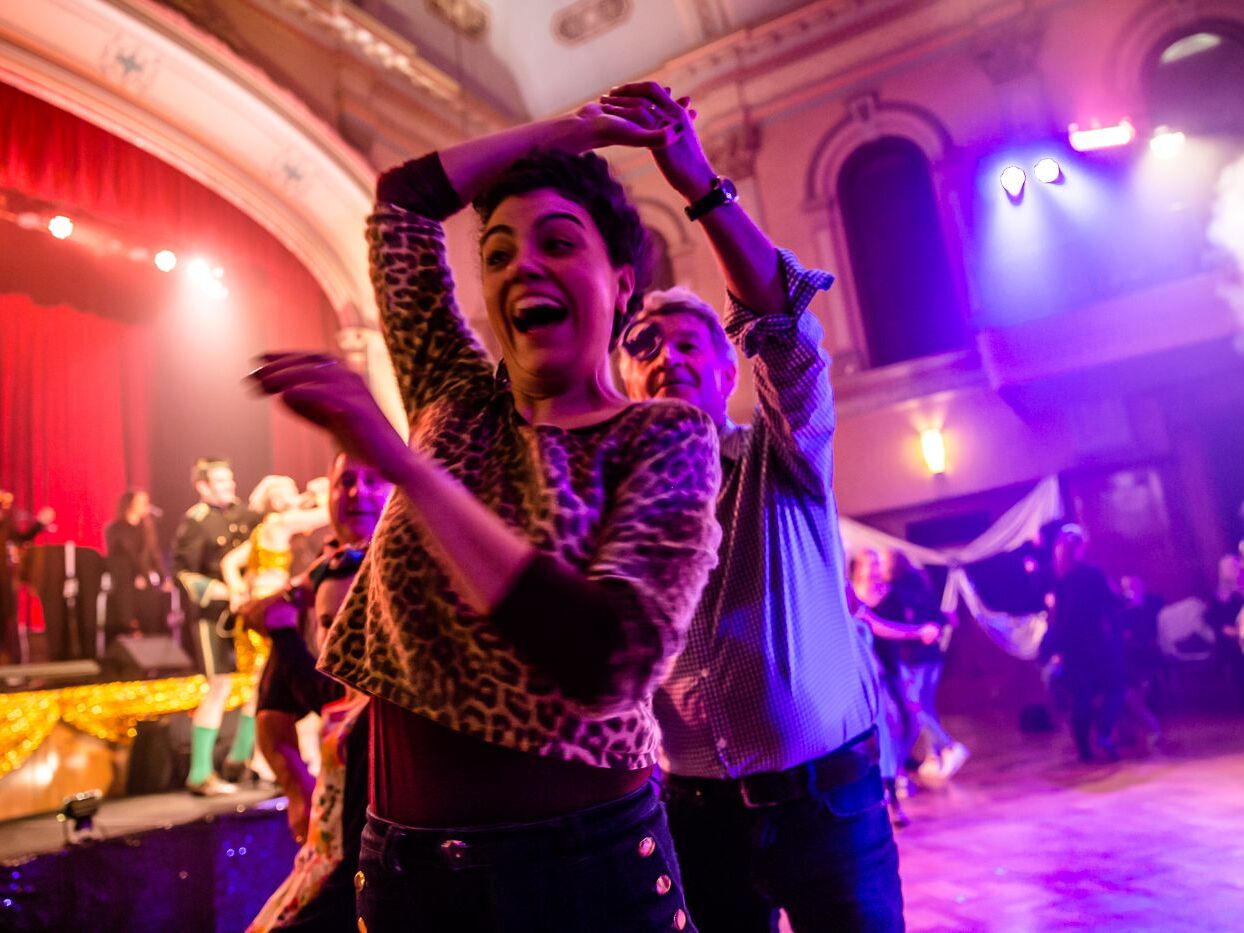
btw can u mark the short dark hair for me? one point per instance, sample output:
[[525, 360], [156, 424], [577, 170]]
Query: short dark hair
[[586, 180], [204, 465]]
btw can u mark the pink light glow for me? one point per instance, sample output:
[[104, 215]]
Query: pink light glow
[[1101, 137]]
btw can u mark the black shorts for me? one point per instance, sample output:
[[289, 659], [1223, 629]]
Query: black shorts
[[211, 638]]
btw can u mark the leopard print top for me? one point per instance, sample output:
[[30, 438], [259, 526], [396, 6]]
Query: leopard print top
[[630, 500]]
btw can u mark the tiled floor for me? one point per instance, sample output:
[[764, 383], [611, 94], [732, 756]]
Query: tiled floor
[[1026, 839]]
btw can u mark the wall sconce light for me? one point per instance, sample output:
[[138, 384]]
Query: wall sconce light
[[933, 446]]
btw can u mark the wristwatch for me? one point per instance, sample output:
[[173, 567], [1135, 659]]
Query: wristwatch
[[721, 193]]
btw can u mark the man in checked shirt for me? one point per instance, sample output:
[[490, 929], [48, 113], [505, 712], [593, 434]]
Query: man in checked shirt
[[774, 796]]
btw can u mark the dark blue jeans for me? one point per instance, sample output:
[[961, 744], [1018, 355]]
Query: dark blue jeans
[[608, 868], [829, 860]]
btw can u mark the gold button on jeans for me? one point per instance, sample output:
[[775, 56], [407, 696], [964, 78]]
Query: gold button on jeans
[[359, 881], [647, 846], [664, 884], [680, 919]]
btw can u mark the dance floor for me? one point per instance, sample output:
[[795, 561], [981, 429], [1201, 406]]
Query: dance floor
[[1027, 839]]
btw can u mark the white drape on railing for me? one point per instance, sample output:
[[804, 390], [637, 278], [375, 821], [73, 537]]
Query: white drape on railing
[[1017, 635]]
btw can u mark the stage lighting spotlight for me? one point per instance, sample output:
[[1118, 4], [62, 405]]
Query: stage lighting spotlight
[[1047, 170], [165, 260], [1012, 179], [933, 446], [199, 270], [1166, 143], [60, 227], [1100, 137]]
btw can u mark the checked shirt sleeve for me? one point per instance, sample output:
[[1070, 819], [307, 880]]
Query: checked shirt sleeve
[[795, 401]]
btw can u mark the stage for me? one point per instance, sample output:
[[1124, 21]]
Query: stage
[[160, 862]]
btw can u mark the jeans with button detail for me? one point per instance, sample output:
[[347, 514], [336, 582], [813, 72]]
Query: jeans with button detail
[[607, 868], [829, 860]]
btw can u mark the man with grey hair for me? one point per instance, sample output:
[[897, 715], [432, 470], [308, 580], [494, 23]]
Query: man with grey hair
[[773, 791]]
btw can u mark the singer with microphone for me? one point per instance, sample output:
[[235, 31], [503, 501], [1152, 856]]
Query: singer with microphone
[[135, 597]]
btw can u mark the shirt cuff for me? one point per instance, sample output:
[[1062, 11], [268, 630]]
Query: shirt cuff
[[565, 625], [420, 186], [749, 330]]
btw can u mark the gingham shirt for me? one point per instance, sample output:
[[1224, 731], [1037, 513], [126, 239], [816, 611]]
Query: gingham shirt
[[774, 672]]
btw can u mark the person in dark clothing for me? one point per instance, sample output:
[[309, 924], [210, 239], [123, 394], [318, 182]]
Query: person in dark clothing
[[211, 528], [326, 815], [919, 666], [134, 569], [1226, 617], [1142, 658], [1083, 642], [13, 534]]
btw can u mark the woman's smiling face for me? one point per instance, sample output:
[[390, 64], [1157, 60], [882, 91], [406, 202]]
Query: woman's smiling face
[[550, 289]]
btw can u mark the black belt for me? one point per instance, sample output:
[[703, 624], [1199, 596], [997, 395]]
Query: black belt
[[844, 765]]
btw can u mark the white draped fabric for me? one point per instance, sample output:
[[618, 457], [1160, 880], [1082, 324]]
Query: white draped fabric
[[1017, 635]]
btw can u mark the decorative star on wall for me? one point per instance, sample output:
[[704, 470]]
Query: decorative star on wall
[[129, 63], [125, 61]]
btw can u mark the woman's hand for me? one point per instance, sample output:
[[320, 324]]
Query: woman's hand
[[597, 125], [647, 104], [321, 390]]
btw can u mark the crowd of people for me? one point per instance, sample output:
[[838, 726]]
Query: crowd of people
[[559, 583]]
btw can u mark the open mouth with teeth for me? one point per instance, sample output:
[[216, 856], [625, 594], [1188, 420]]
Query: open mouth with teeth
[[531, 314]]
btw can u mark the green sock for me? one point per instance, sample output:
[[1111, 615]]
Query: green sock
[[202, 747], [243, 740]]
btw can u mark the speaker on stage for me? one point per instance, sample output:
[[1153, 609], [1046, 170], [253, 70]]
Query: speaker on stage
[[132, 657], [67, 580]]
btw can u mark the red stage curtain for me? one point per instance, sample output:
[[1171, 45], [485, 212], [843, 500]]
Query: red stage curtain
[[76, 389], [73, 392]]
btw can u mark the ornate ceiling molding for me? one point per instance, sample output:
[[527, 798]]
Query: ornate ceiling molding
[[588, 19], [466, 16], [146, 74]]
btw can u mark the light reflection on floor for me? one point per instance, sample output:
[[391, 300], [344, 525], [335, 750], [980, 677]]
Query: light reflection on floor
[[1026, 839]]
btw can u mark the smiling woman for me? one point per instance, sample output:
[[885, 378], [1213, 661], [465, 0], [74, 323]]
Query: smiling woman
[[534, 577]]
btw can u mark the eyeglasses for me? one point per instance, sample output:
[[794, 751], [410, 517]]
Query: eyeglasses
[[643, 341]]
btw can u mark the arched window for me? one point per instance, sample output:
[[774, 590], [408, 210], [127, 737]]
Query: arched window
[[903, 281], [1194, 81], [662, 266]]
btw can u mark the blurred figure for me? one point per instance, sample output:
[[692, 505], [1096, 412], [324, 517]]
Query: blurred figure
[[911, 599], [325, 815], [1226, 617], [14, 532], [211, 528], [260, 565], [1142, 658], [866, 591], [1084, 645], [135, 570], [257, 568]]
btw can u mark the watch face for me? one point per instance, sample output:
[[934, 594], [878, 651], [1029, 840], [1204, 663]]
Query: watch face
[[729, 192]]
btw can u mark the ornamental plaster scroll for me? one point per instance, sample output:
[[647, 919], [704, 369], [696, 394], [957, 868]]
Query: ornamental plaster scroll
[[869, 119], [589, 19]]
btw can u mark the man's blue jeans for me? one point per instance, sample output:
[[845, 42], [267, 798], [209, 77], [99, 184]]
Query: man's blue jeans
[[607, 868], [829, 860]]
